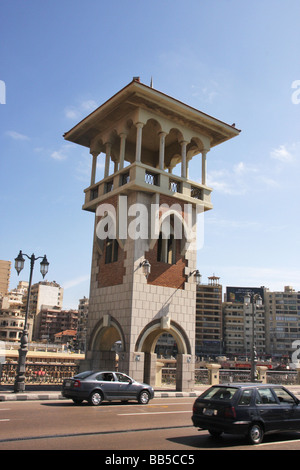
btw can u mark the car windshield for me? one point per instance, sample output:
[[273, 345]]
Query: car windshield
[[219, 393]]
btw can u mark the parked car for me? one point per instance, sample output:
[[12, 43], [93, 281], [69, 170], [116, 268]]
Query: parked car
[[248, 409], [96, 386]]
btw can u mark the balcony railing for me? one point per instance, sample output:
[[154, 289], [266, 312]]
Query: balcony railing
[[141, 175]]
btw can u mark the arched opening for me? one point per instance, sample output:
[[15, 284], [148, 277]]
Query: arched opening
[[106, 343], [165, 335]]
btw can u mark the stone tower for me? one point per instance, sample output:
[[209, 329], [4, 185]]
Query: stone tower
[[144, 252]]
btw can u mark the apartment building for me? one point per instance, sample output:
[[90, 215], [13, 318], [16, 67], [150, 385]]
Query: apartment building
[[283, 326], [83, 310], [45, 293], [4, 276], [209, 330], [12, 313], [241, 322], [50, 321]]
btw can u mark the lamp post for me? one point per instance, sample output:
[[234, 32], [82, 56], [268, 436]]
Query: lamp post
[[197, 277], [255, 301], [19, 385]]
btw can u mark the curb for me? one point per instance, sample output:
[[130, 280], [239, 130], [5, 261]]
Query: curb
[[30, 396]]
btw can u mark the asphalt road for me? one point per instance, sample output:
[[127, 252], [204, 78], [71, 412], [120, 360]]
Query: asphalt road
[[162, 425]]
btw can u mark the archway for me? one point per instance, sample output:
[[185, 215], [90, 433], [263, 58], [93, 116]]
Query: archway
[[107, 339], [147, 342]]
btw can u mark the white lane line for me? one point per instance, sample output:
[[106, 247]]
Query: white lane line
[[153, 413], [4, 419]]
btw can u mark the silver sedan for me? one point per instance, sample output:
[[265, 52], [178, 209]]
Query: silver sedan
[[96, 386]]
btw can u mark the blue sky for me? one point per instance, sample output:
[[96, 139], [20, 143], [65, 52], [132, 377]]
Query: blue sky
[[233, 59]]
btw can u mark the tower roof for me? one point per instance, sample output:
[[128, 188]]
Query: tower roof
[[138, 95]]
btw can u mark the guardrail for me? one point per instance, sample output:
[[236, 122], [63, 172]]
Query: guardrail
[[55, 374]]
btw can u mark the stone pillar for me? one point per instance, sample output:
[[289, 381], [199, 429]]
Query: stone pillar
[[150, 368], [94, 167], [183, 159], [213, 373], [204, 152], [162, 136], [158, 378], [122, 149], [185, 373], [107, 159], [138, 150], [262, 374]]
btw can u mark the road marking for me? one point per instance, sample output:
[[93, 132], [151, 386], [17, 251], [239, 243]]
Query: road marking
[[153, 413], [278, 442], [4, 419]]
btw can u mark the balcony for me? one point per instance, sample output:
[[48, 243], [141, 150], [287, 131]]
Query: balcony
[[141, 177]]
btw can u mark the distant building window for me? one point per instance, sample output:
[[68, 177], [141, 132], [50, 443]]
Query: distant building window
[[111, 251]]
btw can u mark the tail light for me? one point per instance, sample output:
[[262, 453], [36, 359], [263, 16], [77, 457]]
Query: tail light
[[76, 383], [230, 412]]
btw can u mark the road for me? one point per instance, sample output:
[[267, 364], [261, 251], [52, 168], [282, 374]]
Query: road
[[162, 425]]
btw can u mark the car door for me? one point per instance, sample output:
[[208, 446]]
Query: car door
[[108, 384], [268, 409], [127, 388], [290, 407]]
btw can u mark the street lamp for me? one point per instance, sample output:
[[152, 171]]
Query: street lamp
[[146, 268], [197, 276], [256, 301], [19, 385]]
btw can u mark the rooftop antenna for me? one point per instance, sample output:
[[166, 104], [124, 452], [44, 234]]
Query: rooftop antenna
[[151, 83]]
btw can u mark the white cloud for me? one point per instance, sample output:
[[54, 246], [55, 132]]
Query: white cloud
[[282, 154], [76, 282], [61, 153], [17, 136], [79, 111]]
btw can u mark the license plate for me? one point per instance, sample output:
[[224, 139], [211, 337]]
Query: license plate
[[209, 412], [68, 383]]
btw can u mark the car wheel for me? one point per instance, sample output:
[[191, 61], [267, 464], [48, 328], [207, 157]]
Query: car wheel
[[144, 397], [255, 433], [96, 398]]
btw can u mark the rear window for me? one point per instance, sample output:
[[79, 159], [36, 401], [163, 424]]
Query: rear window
[[219, 393], [83, 375]]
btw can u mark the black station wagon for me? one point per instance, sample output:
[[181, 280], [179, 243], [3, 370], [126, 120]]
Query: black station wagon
[[250, 409]]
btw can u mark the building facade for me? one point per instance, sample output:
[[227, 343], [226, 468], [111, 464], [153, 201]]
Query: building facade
[[209, 324], [241, 322], [12, 313], [50, 321], [142, 274], [44, 295], [283, 327], [5, 267], [83, 310]]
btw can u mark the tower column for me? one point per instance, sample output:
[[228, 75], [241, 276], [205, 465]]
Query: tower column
[[204, 152], [107, 159], [94, 166], [138, 151], [183, 159], [162, 138], [122, 150]]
